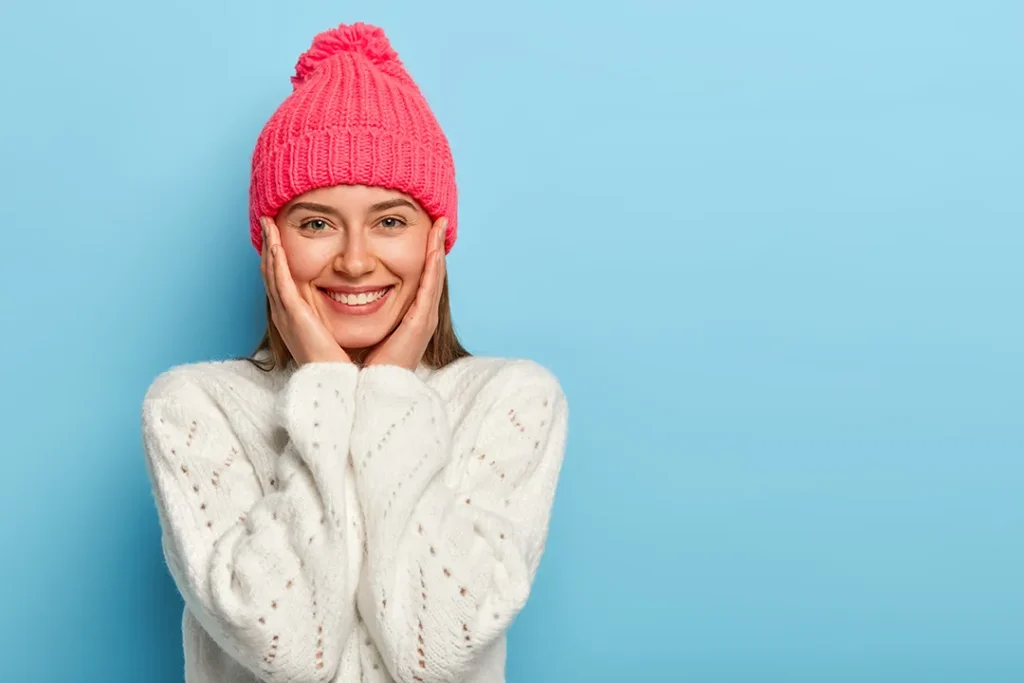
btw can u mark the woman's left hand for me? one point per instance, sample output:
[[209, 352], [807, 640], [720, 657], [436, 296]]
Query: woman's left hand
[[406, 345]]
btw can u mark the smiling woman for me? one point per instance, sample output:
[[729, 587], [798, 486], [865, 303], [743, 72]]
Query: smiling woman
[[361, 500]]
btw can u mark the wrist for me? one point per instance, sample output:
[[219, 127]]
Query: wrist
[[395, 364], [340, 357]]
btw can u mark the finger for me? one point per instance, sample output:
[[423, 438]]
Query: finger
[[262, 254], [439, 260], [442, 231], [285, 285], [277, 252], [273, 232], [263, 250], [442, 265], [269, 265], [429, 292]]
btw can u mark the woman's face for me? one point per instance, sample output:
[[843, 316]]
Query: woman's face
[[357, 253]]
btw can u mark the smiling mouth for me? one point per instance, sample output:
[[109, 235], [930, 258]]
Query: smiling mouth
[[364, 303], [361, 299]]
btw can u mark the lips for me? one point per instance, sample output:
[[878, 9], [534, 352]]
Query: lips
[[364, 302], [357, 299]]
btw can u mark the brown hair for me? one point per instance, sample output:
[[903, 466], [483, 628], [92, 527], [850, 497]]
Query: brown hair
[[443, 348]]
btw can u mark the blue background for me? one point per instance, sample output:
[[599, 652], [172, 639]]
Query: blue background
[[773, 251]]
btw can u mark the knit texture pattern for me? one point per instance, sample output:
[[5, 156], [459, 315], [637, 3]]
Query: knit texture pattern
[[355, 117], [337, 524]]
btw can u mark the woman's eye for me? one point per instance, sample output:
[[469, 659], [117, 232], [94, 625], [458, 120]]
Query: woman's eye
[[390, 223], [315, 224]]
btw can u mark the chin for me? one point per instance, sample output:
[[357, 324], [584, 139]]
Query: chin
[[360, 332], [351, 343], [359, 339]]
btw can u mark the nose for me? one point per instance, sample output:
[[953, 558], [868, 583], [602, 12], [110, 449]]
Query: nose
[[356, 257]]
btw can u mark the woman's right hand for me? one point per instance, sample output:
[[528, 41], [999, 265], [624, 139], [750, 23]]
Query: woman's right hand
[[304, 333]]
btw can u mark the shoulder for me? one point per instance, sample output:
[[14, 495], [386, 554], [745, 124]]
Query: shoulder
[[497, 378], [214, 402], [215, 382]]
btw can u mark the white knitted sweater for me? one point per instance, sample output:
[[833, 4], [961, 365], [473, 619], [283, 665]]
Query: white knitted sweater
[[337, 524]]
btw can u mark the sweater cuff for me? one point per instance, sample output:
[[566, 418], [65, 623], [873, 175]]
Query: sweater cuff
[[317, 388], [392, 381], [317, 408], [400, 435]]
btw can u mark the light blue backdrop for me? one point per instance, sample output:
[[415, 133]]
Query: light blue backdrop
[[773, 250]]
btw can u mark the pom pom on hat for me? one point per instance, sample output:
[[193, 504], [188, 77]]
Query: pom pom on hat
[[359, 38]]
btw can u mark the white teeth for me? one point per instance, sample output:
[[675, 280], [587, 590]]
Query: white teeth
[[357, 299]]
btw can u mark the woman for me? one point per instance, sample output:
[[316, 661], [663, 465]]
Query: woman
[[362, 500]]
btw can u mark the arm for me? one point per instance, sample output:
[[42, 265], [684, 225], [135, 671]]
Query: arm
[[265, 575], [454, 531]]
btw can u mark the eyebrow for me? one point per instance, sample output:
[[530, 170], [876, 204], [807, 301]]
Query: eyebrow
[[324, 208], [391, 204]]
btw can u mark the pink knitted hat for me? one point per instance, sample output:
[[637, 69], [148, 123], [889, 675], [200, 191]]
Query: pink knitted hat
[[355, 117]]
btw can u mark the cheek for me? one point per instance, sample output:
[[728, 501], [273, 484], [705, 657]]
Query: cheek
[[404, 258], [412, 273], [306, 258]]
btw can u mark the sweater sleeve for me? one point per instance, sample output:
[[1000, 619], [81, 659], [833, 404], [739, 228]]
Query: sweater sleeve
[[456, 524], [263, 574]]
